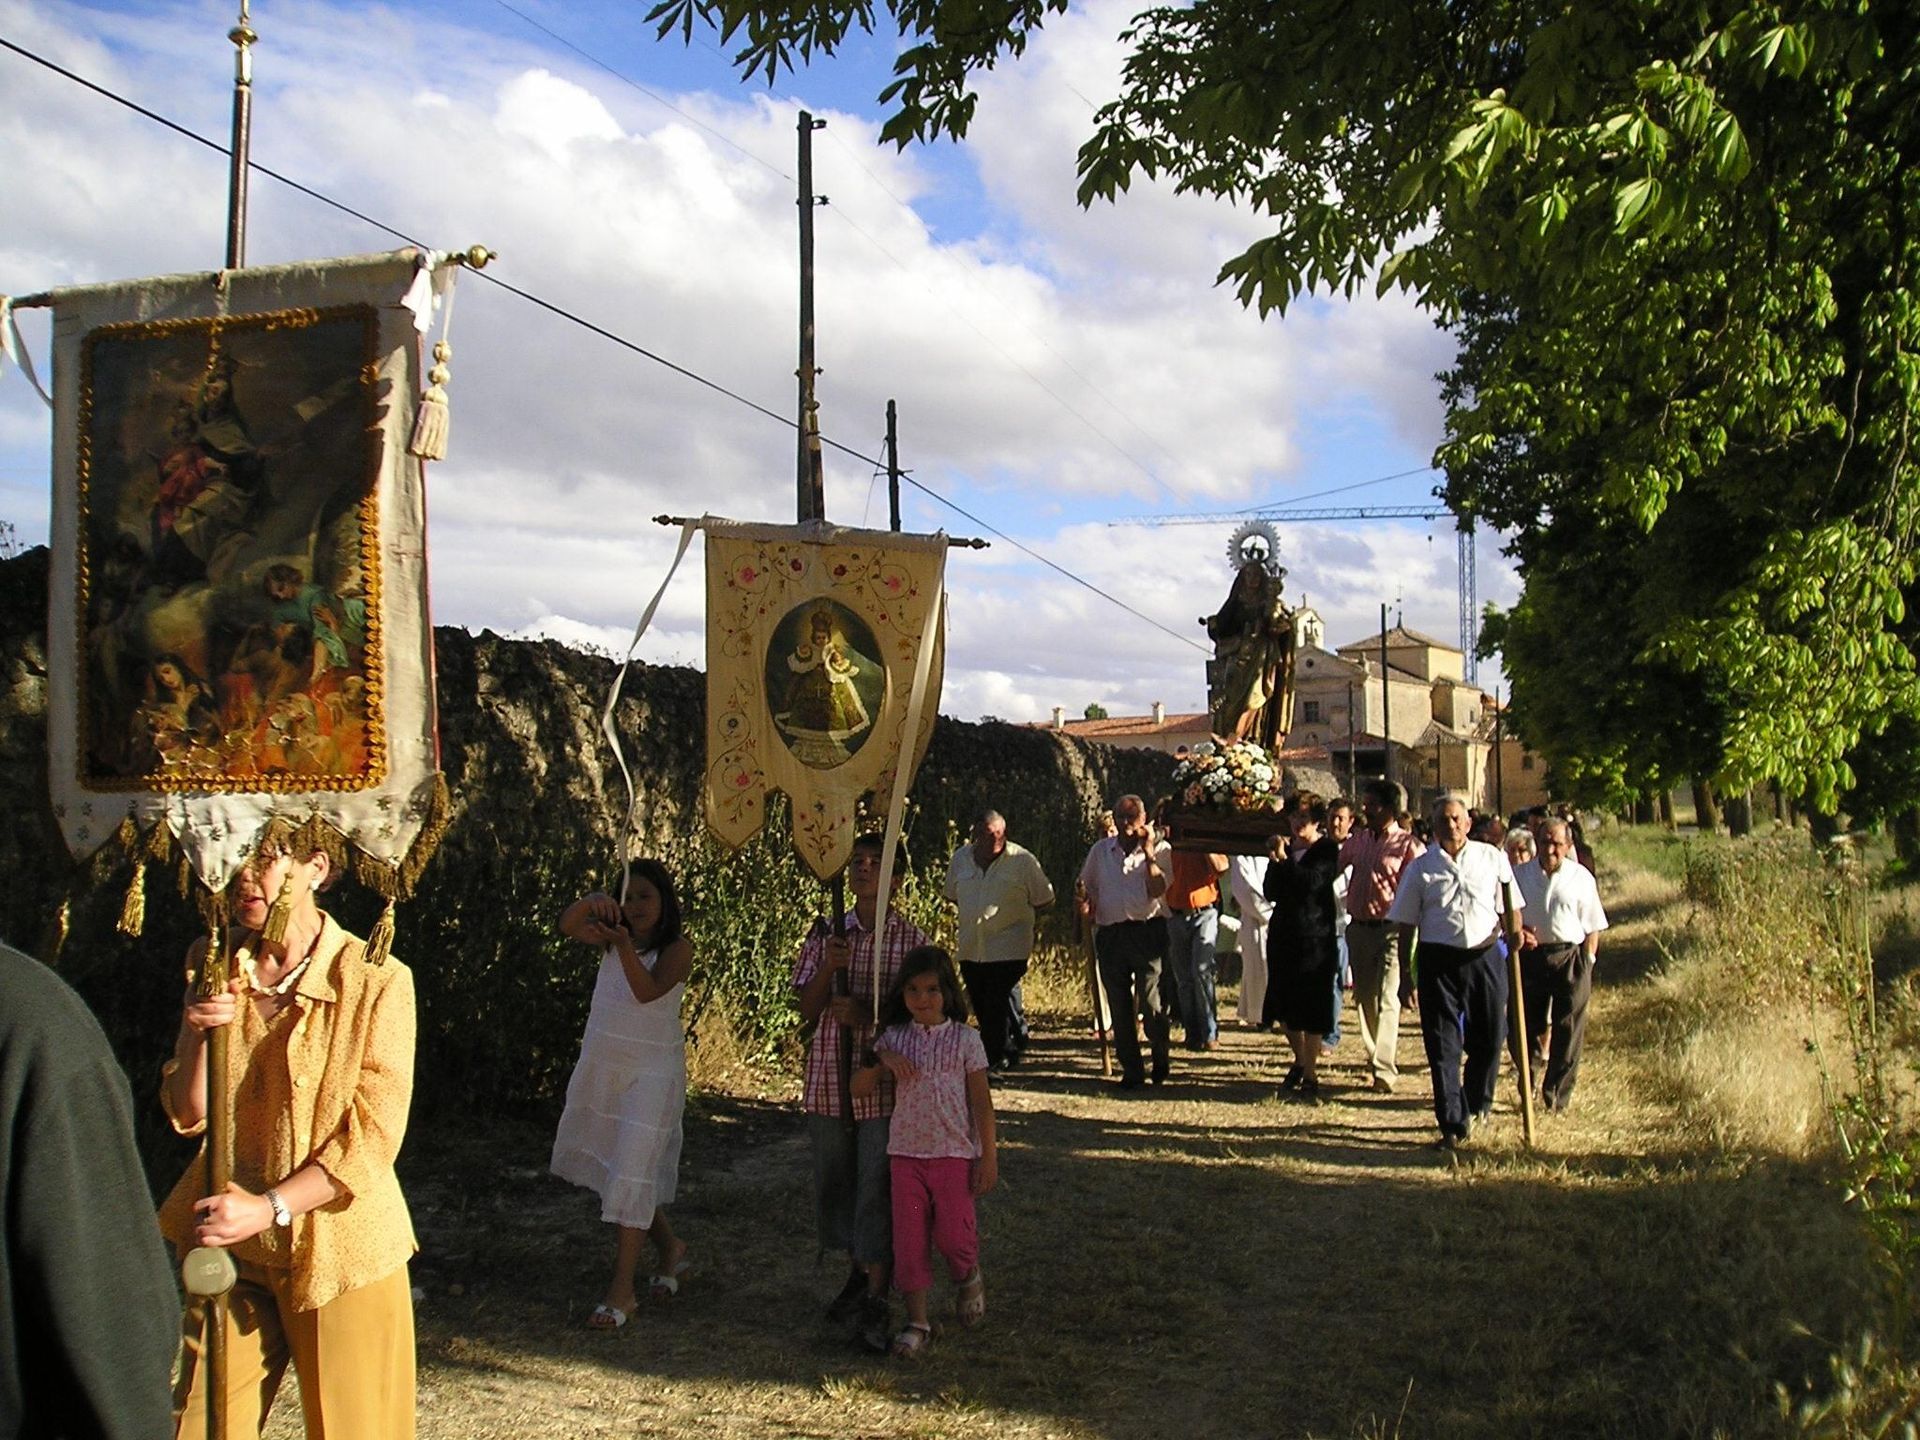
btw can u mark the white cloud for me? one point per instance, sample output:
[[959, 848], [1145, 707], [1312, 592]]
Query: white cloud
[[1053, 368]]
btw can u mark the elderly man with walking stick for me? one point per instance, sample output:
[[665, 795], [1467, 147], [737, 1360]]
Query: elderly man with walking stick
[[1561, 943], [1452, 895]]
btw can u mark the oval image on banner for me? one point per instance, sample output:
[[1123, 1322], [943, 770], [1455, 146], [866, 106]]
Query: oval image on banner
[[825, 688]]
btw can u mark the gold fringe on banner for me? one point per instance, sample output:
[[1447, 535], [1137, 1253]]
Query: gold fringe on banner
[[158, 846], [133, 910], [439, 816]]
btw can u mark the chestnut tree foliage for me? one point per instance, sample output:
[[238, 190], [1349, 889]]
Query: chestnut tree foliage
[[1677, 241]]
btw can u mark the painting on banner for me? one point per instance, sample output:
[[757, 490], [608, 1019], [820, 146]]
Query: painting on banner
[[227, 516], [238, 612], [813, 634]]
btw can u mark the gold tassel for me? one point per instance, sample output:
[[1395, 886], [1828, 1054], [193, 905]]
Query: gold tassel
[[57, 930], [133, 910], [432, 421], [380, 942], [274, 932]]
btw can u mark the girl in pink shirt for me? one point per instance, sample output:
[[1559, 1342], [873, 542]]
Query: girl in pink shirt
[[941, 1142]]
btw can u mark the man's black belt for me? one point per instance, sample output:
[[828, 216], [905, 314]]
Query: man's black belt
[[1380, 921]]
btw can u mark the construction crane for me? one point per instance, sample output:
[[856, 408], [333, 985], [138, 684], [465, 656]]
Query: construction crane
[[1468, 579]]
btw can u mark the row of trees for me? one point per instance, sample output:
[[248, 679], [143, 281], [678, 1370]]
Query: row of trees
[[1677, 243]]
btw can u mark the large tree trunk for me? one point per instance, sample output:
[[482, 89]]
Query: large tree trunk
[[1643, 809], [1706, 810], [1823, 824], [1739, 812], [1665, 801]]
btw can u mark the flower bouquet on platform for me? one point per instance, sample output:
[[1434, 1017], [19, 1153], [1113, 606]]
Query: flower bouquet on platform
[[1227, 799]]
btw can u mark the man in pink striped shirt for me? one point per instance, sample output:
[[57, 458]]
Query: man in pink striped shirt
[[850, 1162], [1377, 950]]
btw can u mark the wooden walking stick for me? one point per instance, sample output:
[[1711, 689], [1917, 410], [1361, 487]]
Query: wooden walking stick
[[1085, 922], [1511, 919], [208, 1272]]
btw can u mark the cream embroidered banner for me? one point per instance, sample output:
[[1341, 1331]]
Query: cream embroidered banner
[[813, 634], [238, 622]]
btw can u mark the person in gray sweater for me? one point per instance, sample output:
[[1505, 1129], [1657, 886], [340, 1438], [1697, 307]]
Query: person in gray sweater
[[89, 1316]]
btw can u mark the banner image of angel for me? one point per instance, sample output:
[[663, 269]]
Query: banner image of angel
[[823, 684], [226, 491]]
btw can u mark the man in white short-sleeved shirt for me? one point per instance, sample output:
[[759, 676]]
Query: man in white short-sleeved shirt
[[997, 886], [1561, 941], [1453, 897], [1125, 876]]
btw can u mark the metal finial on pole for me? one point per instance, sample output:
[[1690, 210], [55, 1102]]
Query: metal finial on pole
[[243, 36]]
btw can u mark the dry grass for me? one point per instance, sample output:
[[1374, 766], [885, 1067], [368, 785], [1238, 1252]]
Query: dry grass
[[1203, 1260]]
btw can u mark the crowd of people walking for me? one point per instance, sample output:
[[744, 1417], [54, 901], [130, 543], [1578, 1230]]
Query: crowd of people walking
[[1406, 914]]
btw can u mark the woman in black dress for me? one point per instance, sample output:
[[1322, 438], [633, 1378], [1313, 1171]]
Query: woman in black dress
[[1303, 949]]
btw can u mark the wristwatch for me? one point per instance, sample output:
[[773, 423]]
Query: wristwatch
[[281, 1215]]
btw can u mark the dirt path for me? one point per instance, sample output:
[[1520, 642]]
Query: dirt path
[[1199, 1260]]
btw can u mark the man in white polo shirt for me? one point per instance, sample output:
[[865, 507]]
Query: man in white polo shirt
[[1452, 896], [1125, 875], [1561, 940], [997, 885]]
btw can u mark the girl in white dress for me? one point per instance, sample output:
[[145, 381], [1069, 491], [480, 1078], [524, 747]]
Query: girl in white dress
[[620, 1133]]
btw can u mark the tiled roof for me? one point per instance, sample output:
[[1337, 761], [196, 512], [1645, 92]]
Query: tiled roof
[[1127, 725]]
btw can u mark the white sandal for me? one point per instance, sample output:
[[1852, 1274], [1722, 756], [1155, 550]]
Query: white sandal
[[970, 1305], [911, 1343]]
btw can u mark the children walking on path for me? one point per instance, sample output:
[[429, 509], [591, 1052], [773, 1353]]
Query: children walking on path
[[620, 1132], [941, 1145], [835, 981]]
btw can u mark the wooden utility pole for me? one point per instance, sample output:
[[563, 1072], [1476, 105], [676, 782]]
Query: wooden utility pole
[[1353, 774], [1386, 706], [812, 500], [1499, 769]]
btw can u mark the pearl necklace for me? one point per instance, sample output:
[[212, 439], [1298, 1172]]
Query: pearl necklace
[[287, 981]]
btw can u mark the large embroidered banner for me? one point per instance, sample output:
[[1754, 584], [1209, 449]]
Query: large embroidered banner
[[238, 625], [814, 643]]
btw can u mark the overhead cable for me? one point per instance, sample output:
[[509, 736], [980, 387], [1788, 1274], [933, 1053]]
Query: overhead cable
[[563, 313]]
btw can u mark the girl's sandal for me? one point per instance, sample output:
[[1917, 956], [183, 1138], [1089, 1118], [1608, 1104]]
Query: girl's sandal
[[911, 1342], [667, 1285], [970, 1305]]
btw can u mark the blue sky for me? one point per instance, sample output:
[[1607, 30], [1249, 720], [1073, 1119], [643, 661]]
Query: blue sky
[[1056, 369]]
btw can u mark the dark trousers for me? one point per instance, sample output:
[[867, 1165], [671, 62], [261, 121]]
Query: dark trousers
[[1463, 1006], [993, 990], [1557, 982], [1131, 956]]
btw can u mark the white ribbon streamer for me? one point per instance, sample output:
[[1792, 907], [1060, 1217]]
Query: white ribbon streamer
[[15, 349], [607, 727]]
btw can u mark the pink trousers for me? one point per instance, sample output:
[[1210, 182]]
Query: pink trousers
[[932, 1208]]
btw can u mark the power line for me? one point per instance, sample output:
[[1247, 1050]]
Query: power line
[[628, 80], [600, 330]]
